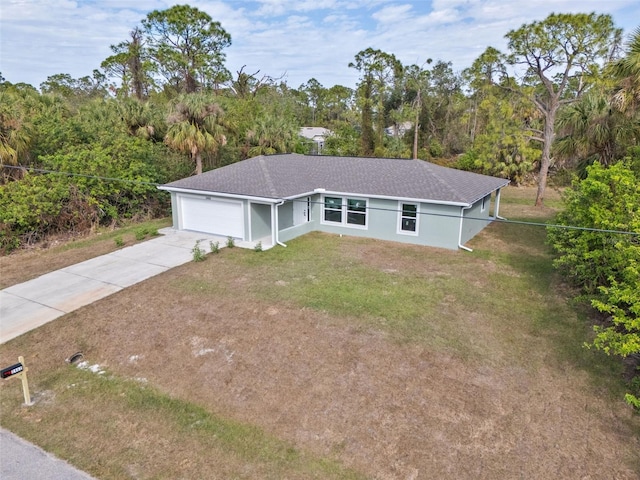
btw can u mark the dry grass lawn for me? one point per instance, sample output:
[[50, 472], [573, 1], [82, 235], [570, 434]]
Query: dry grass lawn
[[333, 358]]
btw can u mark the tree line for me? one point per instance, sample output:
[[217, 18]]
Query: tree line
[[562, 102]]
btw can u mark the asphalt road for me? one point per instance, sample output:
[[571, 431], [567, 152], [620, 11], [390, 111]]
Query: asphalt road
[[20, 460]]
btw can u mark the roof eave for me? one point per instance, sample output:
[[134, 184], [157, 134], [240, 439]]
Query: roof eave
[[219, 194], [331, 192], [507, 182], [382, 197]]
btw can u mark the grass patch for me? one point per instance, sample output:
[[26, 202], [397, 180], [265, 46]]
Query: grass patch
[[129, 233], [331, 354], [101, 407], [446, 306], [398, 303], [513, 306], [526, 196]]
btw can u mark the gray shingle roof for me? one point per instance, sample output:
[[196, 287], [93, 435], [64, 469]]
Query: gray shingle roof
[[290, 175]]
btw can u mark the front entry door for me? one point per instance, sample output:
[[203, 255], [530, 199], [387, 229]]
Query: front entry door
[[301, 210]]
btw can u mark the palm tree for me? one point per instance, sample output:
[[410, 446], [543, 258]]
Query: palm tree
[[272, 134], [600, 125], [137, 118], [591, 130], [626, 97], [417, 80], [195, 127], [14, 130]]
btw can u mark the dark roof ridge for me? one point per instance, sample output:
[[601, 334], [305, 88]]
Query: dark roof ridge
[[428, 165], [267, 176]]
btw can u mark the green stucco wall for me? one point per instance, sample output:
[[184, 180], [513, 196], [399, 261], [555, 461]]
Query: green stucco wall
[[475, 219], [260, 221], [438, 225], [285, 216], [174, 211]]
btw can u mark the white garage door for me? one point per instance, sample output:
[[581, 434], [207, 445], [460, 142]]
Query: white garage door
[[220, 217]]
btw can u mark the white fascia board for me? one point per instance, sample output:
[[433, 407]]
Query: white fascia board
[[300, 195], [402, 199], [219, 194], [494, 190]]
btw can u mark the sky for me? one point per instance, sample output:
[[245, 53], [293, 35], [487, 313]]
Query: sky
[[294, 40]]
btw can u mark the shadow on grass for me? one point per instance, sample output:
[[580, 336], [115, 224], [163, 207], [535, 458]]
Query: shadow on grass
[[554, 315]]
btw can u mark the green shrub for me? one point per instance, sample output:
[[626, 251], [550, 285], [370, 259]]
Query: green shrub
[[230, 242], [467, 161], [214, 247], [604, 265], [633, 398], [140, 233], [8, 242], [198, 253], [436, 149], [118, 241], [258, 247], [111, 178], [38, 205], [98, 164]]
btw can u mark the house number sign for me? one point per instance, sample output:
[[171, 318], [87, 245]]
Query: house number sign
[[12, 370], [20, 371]]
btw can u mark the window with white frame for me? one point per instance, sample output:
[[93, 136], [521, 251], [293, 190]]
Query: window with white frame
[[345, 211], [333, 209], [356, 212], [408, 218]]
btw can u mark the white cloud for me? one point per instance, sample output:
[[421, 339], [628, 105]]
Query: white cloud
[[304, 38], [393, 14]]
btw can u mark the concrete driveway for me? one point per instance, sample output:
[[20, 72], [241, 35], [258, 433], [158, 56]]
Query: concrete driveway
[[28, 305]]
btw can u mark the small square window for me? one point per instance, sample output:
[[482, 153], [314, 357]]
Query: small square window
[[333, 202], [409, 224], [356, 205], [409, 210], [333, 216]]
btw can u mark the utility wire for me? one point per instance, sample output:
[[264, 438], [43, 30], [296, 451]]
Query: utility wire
[[490, 220], [431, 214], [83, 175]]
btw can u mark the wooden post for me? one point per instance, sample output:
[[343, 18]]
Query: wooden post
[[19, 370], [25, 383]]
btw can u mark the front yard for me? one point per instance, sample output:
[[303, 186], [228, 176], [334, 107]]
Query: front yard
[[335, 357]]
